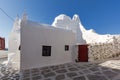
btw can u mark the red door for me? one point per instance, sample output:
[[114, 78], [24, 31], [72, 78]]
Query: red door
[[82, 53], [0, 44], [3, 43]]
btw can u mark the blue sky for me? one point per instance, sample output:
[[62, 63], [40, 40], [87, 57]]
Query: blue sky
[[101, 15]]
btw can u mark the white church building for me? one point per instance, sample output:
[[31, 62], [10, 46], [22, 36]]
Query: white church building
[[44, 45], [33, 44]]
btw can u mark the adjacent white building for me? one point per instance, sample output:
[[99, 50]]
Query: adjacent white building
[[59, 43]]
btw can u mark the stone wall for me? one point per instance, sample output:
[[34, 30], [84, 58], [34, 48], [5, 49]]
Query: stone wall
[[102, 51]]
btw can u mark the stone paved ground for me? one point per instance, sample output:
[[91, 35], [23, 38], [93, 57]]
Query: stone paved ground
[[75, 71]]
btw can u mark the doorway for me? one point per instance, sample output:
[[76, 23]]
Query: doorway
[[83, 53]]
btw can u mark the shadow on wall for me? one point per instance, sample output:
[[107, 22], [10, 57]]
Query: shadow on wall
[[79, 36]]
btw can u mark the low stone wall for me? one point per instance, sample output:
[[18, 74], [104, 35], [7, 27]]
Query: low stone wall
[[102, 51]]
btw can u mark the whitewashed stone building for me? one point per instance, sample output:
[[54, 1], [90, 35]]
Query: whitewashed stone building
[[59, 43], [42, 44]]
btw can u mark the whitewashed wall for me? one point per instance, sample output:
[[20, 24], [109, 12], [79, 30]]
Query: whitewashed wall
[[13, 45], [102, 51], [14, 36], [34, 36]]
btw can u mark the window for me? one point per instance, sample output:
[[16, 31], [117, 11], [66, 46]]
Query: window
[[66, 47], [20, 47], [46, 51]]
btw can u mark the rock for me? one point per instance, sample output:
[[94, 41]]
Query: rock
[[73, 69], [61, 71], [110, 74], [71, 74], [50, 74], [96, 77], [79, 78], [60, 77]]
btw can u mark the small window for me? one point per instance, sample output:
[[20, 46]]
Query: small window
[[46, 51], [66, 47], [20, 47]]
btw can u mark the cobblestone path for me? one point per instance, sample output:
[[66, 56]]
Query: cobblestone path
[[75, 71]]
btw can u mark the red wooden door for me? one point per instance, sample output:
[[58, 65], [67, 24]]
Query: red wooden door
[[0, 44], [3, 43], [82, 53]]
